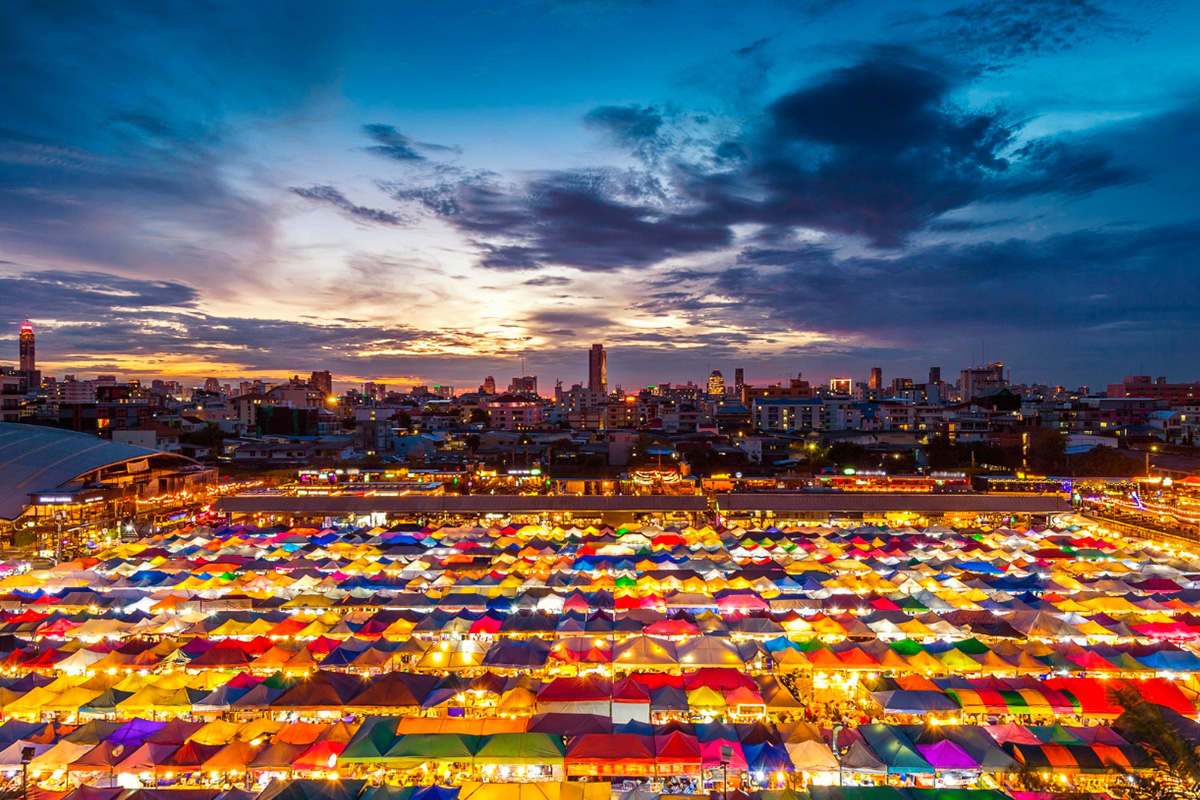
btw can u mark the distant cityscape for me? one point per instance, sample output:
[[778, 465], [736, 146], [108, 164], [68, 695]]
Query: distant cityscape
[[981, 419]]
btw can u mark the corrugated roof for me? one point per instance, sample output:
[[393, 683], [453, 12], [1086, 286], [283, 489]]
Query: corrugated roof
[[39, 459], [456, 504], [881, 502]]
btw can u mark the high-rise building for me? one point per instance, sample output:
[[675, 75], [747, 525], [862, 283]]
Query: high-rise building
[[212, 384], [716, 383], [29, 370], [598, 369], [322, 381], [489, 385], [935, 374], [975, 381], [841, 386], [526, 384], [739, 380], [875, 382]]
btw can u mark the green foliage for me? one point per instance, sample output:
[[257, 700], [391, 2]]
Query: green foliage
[[208, 436], [945, 455], [1144, 724], [1047, 451]]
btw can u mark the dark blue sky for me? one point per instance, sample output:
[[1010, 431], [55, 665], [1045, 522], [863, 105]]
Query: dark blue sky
[[430, 191]]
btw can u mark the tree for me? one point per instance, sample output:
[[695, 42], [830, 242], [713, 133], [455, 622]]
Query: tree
[[1177, 760], [480, 416], [1047, 451], [208, 436], [473, 442]]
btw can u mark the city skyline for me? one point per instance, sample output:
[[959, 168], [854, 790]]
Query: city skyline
[[434, 194]]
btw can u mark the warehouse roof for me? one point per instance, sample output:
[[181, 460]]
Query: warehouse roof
[[882, 502], [40, 459], [456, 504]]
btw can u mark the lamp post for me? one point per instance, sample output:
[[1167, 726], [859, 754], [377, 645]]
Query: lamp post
[[726, 757], [26, 757], [60, 518]]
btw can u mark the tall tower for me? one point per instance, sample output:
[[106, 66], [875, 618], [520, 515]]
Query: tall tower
[[716, 383], [598, 369], [29, 369], [739, 380], [876, 381]]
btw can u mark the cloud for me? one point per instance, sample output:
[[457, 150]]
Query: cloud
[[1072, 289], [331, 196], [876, 150], [994, 34], [628, 125], [391, 143], [104, 322], [594, 221], [547, 280]]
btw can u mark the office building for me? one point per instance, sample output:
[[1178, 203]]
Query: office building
[[598, 369]]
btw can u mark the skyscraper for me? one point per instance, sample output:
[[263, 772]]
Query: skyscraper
[[598, 369], [526, 384], [29, 369], [935, 374], [739, 380], [876, 381], [322, 381], [716, 383], [489, 385]]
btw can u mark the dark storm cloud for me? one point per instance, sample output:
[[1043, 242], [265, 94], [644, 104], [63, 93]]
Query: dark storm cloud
[[876, 150], [993, 34], [593, 221], [113, 149], [1073, 282], [330, 196]]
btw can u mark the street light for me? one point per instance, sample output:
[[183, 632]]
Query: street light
[[60, 518], [26, 757], [726, 757]]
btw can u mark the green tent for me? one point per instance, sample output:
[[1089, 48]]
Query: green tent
[[371, 741], [521, 748], [414, 750]]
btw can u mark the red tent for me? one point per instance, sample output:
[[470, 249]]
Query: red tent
[[610, 754], [718, 678], [676, 752]]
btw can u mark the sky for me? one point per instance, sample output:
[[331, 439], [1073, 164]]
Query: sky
[[434, 192]]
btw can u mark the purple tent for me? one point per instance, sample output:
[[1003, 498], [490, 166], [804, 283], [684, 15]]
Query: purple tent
[[135, 732], [946, 755]]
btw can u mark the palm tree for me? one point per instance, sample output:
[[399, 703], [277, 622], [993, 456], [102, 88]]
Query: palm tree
[[1143, 723]]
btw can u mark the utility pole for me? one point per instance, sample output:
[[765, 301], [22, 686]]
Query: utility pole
[[60, 517]]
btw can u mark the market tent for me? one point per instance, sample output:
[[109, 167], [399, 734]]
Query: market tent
[[521, 748], [610, 754], [811, 756], [312, 790], [412, 750]]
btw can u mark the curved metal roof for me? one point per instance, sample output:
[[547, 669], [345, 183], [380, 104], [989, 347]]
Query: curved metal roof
[[882, 502], [457, 504], [39, 459]]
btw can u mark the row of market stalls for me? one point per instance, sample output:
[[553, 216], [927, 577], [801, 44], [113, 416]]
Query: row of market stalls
[[781, 658], [302, 789], [702, 694], [549, 747]]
